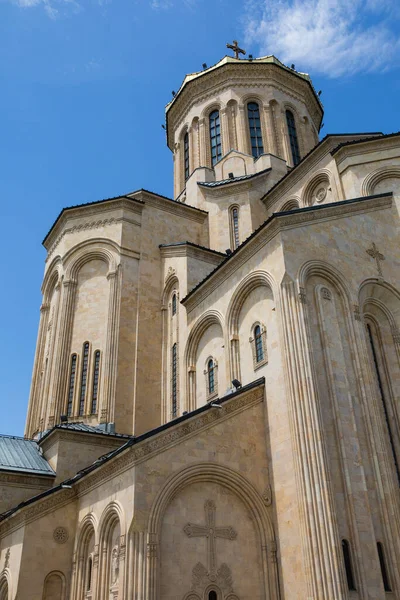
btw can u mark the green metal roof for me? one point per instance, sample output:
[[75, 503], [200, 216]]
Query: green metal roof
[[19, 454]]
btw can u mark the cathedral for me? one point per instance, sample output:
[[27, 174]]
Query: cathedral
[[214, 410]]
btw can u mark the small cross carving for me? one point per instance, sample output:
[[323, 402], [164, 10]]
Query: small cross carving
[[374, 253], [211, 532], [236, 49]]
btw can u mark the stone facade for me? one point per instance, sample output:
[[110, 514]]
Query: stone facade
[[286, 488]]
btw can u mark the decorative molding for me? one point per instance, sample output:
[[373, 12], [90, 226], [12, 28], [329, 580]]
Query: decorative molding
[[302, 297], [171, 273], [7, 559], [356, 312], [267, 495], [60, 535], [25, 480], [273, 228], [130, 457], [326, 294]]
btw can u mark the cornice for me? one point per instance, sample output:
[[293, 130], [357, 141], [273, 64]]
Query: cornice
[[272, 227], [87, 210], [172, 206], [282, 187], [241, 75], [80, 437], [187, 250], [365, 147], [171, 437], [154, 443], [26, 480]]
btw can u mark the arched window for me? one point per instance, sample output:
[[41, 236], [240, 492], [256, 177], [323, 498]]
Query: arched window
[[215, 137], [212, 595], [347, 565], [84, 378], [253, 114], [258, 343], [72, 374], [174, 304], [235, 227], [89, 574], [211, 376], [383, 400], [382, 562], [174, 361], [294, 144], [95, 386], [186, 155]]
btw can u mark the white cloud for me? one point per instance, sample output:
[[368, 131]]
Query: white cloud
[[332, 37]]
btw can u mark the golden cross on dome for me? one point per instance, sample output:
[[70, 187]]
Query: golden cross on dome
[[236, 49], [374, 253]]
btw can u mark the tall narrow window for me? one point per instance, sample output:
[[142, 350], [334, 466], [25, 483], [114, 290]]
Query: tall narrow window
[[212, 595], [294, 144], [259, 343], [174, 304], [215, 137], [95, 387], [383, 400], [253, 114], [84, 378], [211, 376], [235, 227], [348, 565], [174, 381], [71, 386], [382, 562], [89, 574], [186, 155]]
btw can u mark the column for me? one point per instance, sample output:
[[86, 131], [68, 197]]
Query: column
[[191, 388], [242, 130], [177, 169], [270, 143], [283, 135], [204, 144], [137, 566], [33, 412], [57, 399], [95, 570], [107, 399], [152, 568], [235, 360], [315, 502], [225, 131]]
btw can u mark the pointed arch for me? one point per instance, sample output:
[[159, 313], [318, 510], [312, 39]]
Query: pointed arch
[[240, 487]]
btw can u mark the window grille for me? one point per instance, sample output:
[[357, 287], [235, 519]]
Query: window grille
[[215, 137], [71, 386], [382, 562], [253, 114], [84, 378], [347, 565], [95, 387], [294, 144], [186, 155], [174, 381]]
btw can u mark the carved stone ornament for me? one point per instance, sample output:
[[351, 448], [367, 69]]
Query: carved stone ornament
[[267, 495], [170, 273], [302, 296], [114, 565], [326, 294], [356, 311], [60, 535], [7, 559], [320, 194], [202, 577]]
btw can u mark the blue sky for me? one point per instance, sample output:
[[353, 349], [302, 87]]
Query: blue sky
[[83, 88]]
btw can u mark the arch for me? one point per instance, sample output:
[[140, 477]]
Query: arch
[[291, 204], [5, 585], [211, 317], [238, 485], [333, 275], [88, 526], [372, 179], [207, 110], [51, 578], [247, 285], [112, 512], [383, 295], [322, 179], [52, 278], [94, 249]]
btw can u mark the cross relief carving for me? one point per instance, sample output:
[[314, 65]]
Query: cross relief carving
[[374, 253], [211, 532]]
